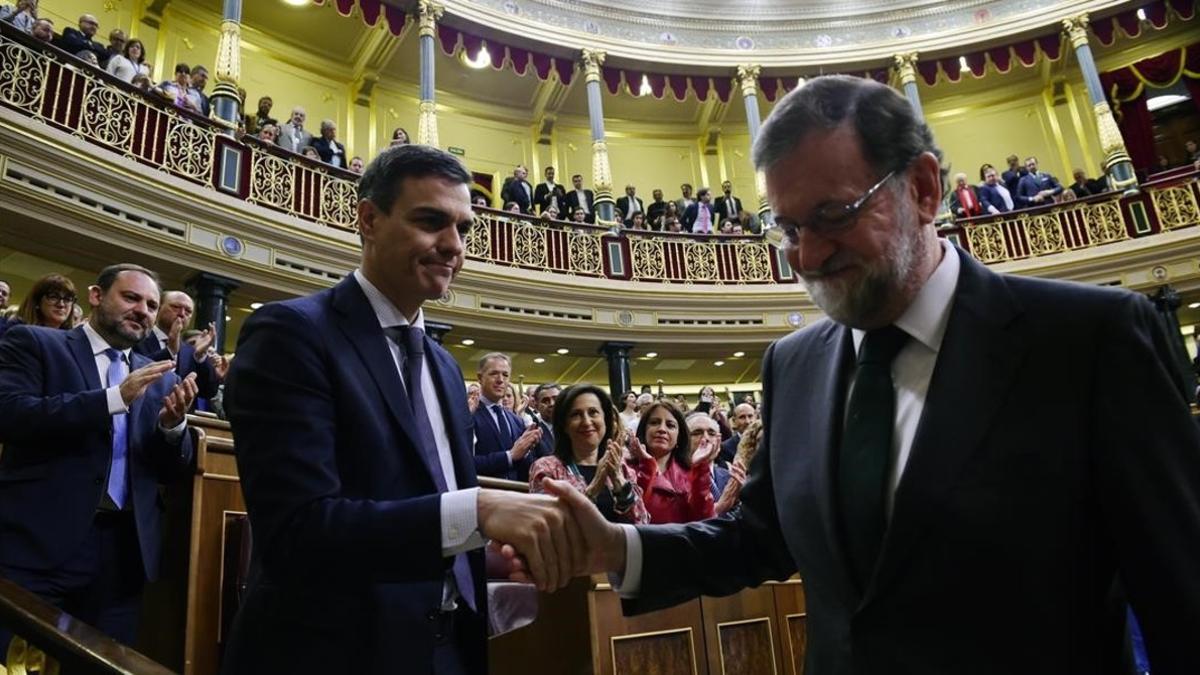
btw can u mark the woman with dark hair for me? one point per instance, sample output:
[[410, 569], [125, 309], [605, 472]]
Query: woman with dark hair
[[49, 304], [586, 426], [400, 137], [676, 483], [629, 413], [130, 62]]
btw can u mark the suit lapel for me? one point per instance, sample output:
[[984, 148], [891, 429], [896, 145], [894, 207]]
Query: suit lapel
[[81, 349], [361, 328], [981, 353], [454, 410]]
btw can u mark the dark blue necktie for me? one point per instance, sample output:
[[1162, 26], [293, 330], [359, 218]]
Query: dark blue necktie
[[866, 450], [502, 428], [118, 488], [412, 348]]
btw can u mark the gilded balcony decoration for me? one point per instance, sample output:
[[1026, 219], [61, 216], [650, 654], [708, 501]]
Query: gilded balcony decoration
[[271, 181], [987, 242], [22, 77], [1104, 222], [189, 149], [1176, 206], [23, 658], [1045, 234]]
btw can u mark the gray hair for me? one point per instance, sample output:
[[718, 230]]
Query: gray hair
[[328, 124], [493, 355], [888, 128]]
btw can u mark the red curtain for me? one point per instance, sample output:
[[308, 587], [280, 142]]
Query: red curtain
[[1137, 129], [1126, 89]]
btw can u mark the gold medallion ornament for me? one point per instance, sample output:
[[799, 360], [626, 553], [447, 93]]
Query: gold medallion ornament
[[906, 67]]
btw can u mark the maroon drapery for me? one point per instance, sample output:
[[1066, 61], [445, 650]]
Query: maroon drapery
[[371, 11], [1137, 129], [1126, 89]]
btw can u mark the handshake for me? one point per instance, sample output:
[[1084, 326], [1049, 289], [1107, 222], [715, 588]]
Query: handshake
[[551, 538]]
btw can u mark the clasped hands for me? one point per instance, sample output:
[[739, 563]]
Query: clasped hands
[[551, 538]]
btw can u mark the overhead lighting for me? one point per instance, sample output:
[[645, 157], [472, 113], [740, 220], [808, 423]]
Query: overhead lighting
[[540, 359], [1141, 15], [1194, 305], [468, 342], [255, 305], [962, 64], [228, 318], [1164, 101], [718, 363], [297, 3], [645, 89], [482, 60], [564, 350], [651, 355], [738, 355]]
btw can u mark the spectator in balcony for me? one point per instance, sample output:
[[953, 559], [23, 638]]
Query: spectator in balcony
[[982, 170], [179, 89], [293, 136], [89, 58], [726, 227], [1191, 150], [548, 193], [993, 194], [331, 151], [550, 214], [656, 209], [728, 206], [630, 204], [638, 222], [268, 133], [964, 200], [1036, 188], [199, 82], [518, 190], [311, 153], [23, 15], [675, 483], [700, 216], [578, 216], [5, 293], [400, 137], [142, 83], [73, 41], [116, 45], [357, 165], [262, 117], [1012, 176], [618, 217], [749, 222], [581, 200], [1080, 186], [129, 63], [512, 207], [671, 211], [43, 30], [480, 200], [48, 303], [685, 200], [672, 224]]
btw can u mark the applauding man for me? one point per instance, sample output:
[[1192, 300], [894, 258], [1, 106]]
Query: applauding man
[[502, 441], [90, 428], [165, 343]]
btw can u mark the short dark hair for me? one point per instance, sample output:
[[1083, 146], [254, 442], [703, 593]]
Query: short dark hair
[[578, 175], [183, 68], [382, 181], [562, 408], [889, 131], [543, 387], [199, 69], [109, 274], [682, 452], [30, 310], [701, 192]]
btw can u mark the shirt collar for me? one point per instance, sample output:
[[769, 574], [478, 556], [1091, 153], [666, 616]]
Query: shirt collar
[[926, 318], [385, 311], [100, 345], [160, 334]]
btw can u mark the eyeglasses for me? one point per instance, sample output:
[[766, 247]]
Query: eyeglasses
[[833, 219], [57, 299]]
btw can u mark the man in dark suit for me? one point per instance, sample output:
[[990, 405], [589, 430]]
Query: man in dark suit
[[544, 398], [90, 428], [993, 194], [1013, 174], [743, 415], [728, 206], [73, 41], [700, 217], [656, 209], [1036, 188], [502, 443], [330, 150], [549, 194], [580, 199], [931, 466], [354, 448], [518, 190], [630, 204], [164, 342]]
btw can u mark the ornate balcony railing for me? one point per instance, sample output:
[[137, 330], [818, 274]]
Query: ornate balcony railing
[[44, 84]]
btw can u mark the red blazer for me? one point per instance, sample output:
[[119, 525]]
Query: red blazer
[[678, 496]]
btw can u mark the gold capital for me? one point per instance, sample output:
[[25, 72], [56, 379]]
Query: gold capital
[[1076, 29], [906, 67], [748, 76], [229, 54], [601, 172], [427, 126], [592, 60], [428, 14]]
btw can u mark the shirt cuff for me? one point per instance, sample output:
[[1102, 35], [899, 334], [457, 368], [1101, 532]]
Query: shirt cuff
[[460, 522], [627, 586], [116, 404], [175, 433]]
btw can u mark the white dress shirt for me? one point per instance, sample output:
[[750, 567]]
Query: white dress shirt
[[460, 516], [925, 322], [116, 404], [581, 196]]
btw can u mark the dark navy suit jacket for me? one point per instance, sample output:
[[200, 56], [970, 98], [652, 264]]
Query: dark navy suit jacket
[[325, 148], [1055, 454], [347, 566], [206, 376], [989, 195], [1030, 185], [491, 449], [57, 436]]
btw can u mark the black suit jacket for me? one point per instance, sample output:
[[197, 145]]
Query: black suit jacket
[[324, 148], [206, 376], [688, 219], [514, 191], [727, 207], [343, 498], [72, 41], [1056, 453], [492, 445], [729, 448], [573, 204], [542, 194], [623, 205]]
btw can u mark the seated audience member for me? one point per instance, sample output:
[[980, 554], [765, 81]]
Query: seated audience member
[[311, 153], [129, 63], [502, 441], [746, 449], [480, 200], [672, 224], [1099, 185], [1065, 196], [964, 200], [703, 430], [550, 214], [1013, 174], [1036, 188], [579, 216], [43, 30], [629, 410], [629, 204], [675, 483], [268, 133], [89, 58], [48, 304], [512, 207], [685, 198], [262, 117], [671, 211], [737, 230], [293, 136], [116, 45], [579, 200], [142, 83], [73, 40], [331, 151], [700, 217], [618, 216], [1162, 164], [993, 194], [23, 15], [588, 454], [748, 222], [357, 165], [179, 90], [656, 208], [637, 222], [199, 82], [399, 137], [726, 227], [1080, 186], [1192, 151]]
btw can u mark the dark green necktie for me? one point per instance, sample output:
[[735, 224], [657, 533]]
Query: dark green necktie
[[866, 450]]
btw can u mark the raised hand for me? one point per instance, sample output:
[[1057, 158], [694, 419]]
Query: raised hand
[[178, 402], [603, 542], [205, 340], [136, 383], [637, 451], [220, 366], [706, 451], [539, 528], [530, 438], [733, 489], [473, 400], [174, 336], [612, 461]]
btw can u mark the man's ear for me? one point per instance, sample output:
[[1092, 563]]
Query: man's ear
[[368, 213], [927, 179]]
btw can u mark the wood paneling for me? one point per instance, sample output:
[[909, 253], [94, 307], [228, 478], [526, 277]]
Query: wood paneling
[[667, 653], [609, 626], [791, 618], [740, 634]]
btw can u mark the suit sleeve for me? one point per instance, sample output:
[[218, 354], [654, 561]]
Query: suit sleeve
[[723, 555], [284, 417], [27, 414], [1147, 466]]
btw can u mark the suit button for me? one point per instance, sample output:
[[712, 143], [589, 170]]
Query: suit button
[[98, 480]]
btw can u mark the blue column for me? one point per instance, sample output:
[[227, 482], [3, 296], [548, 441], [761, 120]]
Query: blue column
[[601, 171], [906, 68], [428, 14], [748, 76], [1117, 163], [226, 100]]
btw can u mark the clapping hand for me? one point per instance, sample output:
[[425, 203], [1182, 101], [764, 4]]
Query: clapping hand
[[733, 489], [473, 399], [706, 451], [178, 402], [637, 451], [204, 340]]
